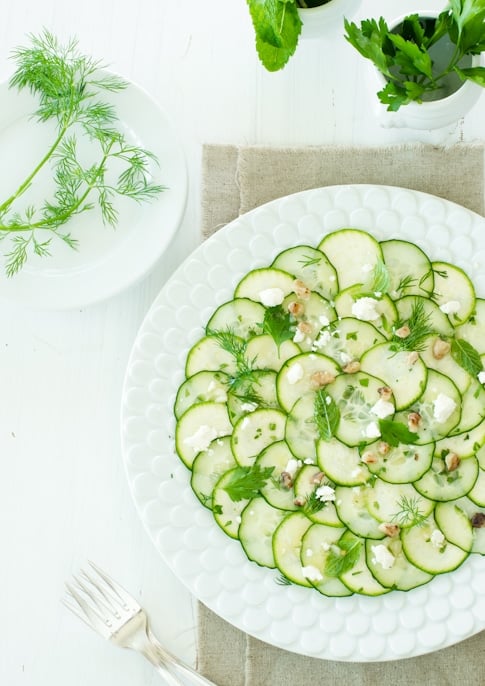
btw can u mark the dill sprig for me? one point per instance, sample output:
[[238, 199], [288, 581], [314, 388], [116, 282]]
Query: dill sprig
[[241, 384], [409, 514], [313, 503], [66, 85], [419, 323]]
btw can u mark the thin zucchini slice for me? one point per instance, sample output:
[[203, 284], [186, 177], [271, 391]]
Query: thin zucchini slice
[[400, 464], [249, 393], [277, 492], [242, 316], [207, 355], [446, 365], [287, 544], [455, 524], [227, 512], [438, 321], [341, 464], [347, 339], [256, 284], [474, 512], [310, 266], [254, 432], [208, 467], [352, 510], [466, 444], [382, 315], [317, 545], [440, 484], [198, 427], [310, 312], [301, 431], [306, 483], [397, 503], [258, 523], [472, 330], [298, 376], [426, 550], [353, 253], [263, 353], [204, 386], [453, 292], [398, 573], [409, 269], [359, 578]]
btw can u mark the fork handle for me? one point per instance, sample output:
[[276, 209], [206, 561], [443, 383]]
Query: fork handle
[[169, 665]]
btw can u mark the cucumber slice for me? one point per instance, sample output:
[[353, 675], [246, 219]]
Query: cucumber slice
[[209, 466], [437, 319], [301, 432], [258, 523], [401, 464], [287, 544], [241, 316], [204, 386], [347, 301], [472, 330], [441, 485], [402, 575], [314, 310], [207, 355], [455, 525], [397, 504], [341, 464], [198, 427], [351, 506], [310, 266], [317, 544], [347, 339], [356, 396], [422, 548], [472, 408], [466, 444], [257, 390], [409, 269], [297, 376], [477, 492], [353, 253], [406, 379], [471, 510], [306, 482], [453, 288], [359, 578], [278, 456], [256, 282], [264, 353], [254, 432], [445, 365], [227, 512]]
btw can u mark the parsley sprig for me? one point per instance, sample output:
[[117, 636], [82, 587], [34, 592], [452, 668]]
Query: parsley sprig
[[343, 556], [246, 482], [67, 85]]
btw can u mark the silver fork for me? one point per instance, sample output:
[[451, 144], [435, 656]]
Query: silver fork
[[114, 614]]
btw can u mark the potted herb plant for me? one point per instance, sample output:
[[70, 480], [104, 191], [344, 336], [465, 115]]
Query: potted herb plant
[[279, 25], [428, 65]]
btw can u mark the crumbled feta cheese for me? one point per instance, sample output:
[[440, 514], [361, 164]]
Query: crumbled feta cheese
[[248, 407], [245, 423], [201, 439], [218, 393], [451, 307], [481, 377], [299, 336], [326, 546], [356, 472], [294, 373], [443, 407], [309, 460], [382, 556], [324, 320], [322, 340], [437, 539], [270, 297], [325, 493], [309, 552], [311, 573], [345, 358], [372, 430], [378, 294], [365, 309], [366, 268], [383, 408], [292, 467]]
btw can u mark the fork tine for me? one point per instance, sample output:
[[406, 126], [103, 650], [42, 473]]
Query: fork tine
[[122, 594], [87, 612]]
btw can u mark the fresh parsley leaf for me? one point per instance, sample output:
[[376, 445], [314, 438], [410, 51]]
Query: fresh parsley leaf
[[246, 482], [326, 414], [277, 323], [342, 557], [466, 356], [395, 433]]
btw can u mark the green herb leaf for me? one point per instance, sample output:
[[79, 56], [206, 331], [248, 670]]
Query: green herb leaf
[[277, 26], [326, 414], [466, 356], [409, 513], [277, 323], [395, 433], [419, 323], [343, 556], [246, 482], [380, 278]]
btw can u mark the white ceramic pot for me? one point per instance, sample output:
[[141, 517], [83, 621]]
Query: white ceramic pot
[[329, 17], [429, 115]]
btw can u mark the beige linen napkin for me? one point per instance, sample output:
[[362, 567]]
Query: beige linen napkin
[[235, 180]]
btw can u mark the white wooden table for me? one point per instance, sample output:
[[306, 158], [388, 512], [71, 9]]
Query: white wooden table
[[63, 493]]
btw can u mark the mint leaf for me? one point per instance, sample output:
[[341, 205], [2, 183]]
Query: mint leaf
[[246, 482], [380, 278], [343, 556], [277, 323], [326, 414], [277, 26], [466, 356], [395, 433]]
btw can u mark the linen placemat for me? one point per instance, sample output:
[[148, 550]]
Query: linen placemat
[[236, 180]]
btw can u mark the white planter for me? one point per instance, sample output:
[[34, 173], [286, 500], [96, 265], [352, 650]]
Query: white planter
[[430, 115], [319, 20]]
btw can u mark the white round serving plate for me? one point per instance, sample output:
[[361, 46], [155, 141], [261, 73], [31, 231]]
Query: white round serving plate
[[108, 260], [212, 566]]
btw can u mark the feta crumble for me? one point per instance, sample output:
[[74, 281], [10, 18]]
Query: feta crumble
[[383, 556], [311, 573], [481, 377], [270, 297], [383, 408], [372, 430], [299, 336], [324, 320], [437, 539], [295, 373], [292, 467], [248, 407], [365, 309], [451, 307], [201, 439], [325, 493], [443, 407]]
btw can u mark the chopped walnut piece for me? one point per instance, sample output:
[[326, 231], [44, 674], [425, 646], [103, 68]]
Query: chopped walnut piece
[[299, 501], [352, 367], [369, 457], [383, 448], [413, 357], [300, 289], [414, 421], [385, 392], [389, 529], [317, 478], [403, 331], [286, 480], [478, 520], [318, 379], [295, 308], [304, 327], [440, 348], [452, 462]]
